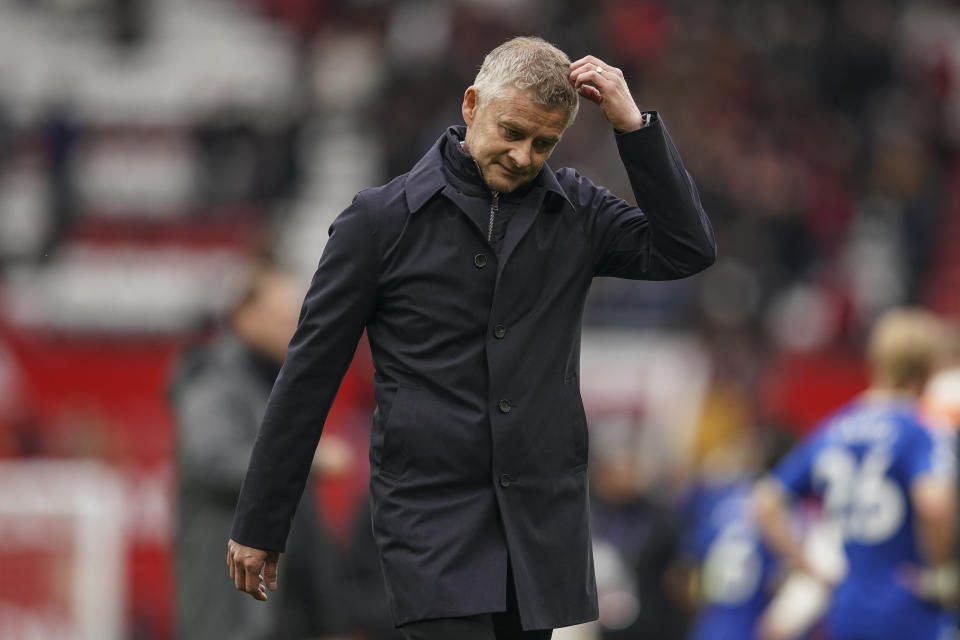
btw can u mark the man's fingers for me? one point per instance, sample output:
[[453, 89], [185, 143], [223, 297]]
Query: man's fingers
[[246, 564], [577, 75], [252, 576], [585, 60], [581, 78], [270, 570], [238, 575], [590, 93], [591, 63], [597, 64], [591, 76], [593, 93], [603, 81], [605, 86]]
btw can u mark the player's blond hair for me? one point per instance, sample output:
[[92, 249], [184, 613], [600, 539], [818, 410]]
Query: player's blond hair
[[532, 65], [904, 346]]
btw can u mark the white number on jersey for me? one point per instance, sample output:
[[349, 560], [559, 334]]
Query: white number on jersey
[[864, 501], [732, 568]]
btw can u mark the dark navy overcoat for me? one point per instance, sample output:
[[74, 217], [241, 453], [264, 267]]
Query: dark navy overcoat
[[479, 442]]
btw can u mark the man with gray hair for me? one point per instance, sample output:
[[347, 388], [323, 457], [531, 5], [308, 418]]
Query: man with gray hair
[[469, 274]]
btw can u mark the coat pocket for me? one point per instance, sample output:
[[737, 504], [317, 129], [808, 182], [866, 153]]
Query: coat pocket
[[577, 419], [402, 414]]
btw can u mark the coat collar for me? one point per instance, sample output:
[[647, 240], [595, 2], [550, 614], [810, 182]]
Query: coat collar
[[427, 177]]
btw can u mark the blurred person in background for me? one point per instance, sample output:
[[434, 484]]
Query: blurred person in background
[[886, 480], [941, 407], [636, 535], [940, 401], [736, 573], [219, 395], [470, 275]]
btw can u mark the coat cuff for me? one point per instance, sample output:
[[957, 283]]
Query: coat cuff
[[636, 145], [649, 118]]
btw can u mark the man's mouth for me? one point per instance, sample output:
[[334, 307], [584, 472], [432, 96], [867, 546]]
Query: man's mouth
[[516, 174]]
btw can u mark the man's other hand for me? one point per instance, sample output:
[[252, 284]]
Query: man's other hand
[[252, 570]]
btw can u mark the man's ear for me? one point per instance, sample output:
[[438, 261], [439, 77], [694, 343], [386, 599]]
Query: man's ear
[[471, 102]]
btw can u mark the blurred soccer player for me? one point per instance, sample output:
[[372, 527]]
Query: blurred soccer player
[[886, 480], [737, 571]]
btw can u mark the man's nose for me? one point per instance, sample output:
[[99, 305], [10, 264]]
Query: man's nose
[[520, 155]]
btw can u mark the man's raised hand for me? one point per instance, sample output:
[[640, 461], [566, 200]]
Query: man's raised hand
[[603, 84]]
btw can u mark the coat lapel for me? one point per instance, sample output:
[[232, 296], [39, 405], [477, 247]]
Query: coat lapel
[[528, 208], [474, 208]]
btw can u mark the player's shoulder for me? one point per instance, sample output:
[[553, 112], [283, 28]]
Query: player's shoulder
[[909, 421], [915, 429], [831, 426], [863, 421]]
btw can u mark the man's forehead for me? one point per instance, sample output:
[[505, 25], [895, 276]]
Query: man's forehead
[[520, 105]]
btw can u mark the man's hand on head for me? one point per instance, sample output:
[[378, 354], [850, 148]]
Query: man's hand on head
[[604, 85], [252, 570]]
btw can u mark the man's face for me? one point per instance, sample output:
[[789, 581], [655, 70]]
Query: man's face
[[268, 320], [511, 137]]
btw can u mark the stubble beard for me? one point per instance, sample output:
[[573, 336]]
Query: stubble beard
[[487, 182], [507, 188]]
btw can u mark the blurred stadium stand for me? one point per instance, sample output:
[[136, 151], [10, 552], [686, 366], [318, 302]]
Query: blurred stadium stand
[[149, 147]]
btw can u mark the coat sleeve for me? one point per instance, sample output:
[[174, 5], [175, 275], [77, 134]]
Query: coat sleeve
[[335, 311], [668, 235]]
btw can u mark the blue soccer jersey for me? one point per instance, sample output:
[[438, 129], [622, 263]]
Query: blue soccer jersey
[[736, 568], [862, 461]]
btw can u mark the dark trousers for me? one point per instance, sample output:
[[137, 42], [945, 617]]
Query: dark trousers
[[503, 625], [488, 626]]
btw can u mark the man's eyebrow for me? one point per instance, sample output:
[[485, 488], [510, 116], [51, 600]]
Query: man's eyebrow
[[551, 140], [514, 126]]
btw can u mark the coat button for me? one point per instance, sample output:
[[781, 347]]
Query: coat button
[[506, 480], [499, 331], [480, 260], [504, 406]]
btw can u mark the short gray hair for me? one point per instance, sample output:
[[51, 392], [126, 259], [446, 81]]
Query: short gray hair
[[532, 65]]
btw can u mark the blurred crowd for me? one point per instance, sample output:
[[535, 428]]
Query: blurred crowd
[[151, 150]]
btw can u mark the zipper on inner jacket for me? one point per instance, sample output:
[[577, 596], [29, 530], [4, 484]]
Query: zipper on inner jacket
[[494, 208]]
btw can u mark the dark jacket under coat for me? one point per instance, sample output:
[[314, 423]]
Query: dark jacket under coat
[[479, 441]]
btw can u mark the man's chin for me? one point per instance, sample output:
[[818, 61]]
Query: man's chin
[[505, 186], [500, 188]]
